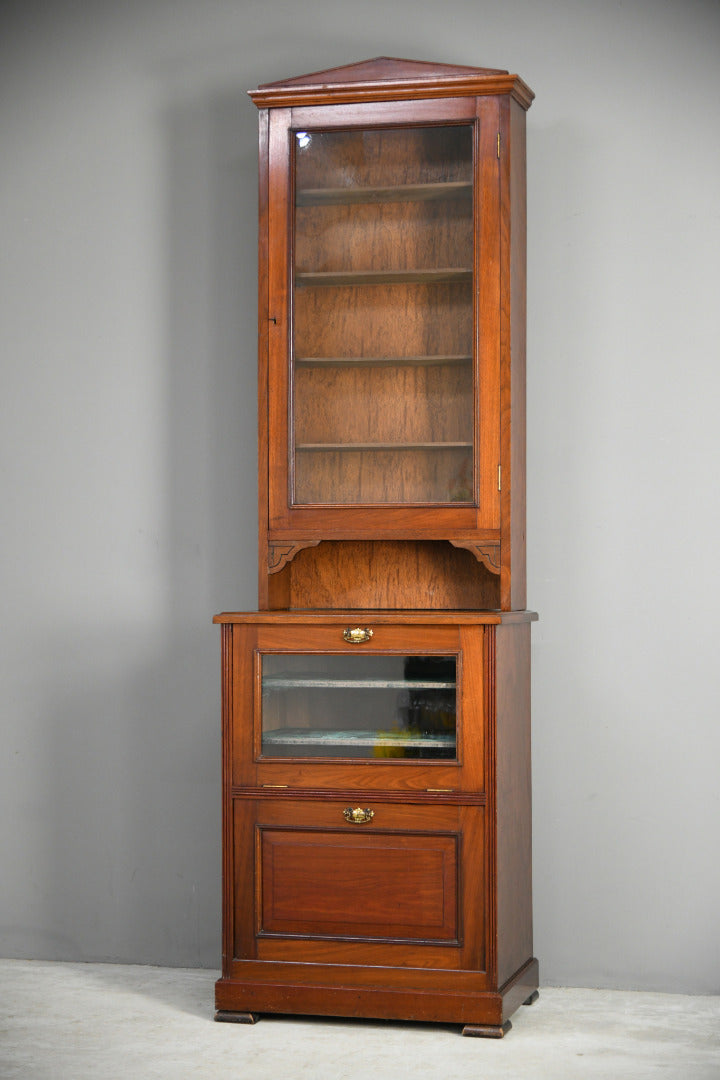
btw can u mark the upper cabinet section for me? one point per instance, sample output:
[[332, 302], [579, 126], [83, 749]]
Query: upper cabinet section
[[391, 304]]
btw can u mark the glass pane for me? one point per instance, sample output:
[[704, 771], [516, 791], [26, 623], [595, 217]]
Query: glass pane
[[383, 316], [358, 707]]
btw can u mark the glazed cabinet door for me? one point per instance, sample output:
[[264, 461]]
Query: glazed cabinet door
[[383, 376], [385, 708]]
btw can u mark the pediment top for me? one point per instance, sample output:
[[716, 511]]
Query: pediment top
[[386, 78], [381, 69]]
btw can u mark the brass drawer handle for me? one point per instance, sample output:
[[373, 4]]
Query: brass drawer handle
[[356, 635], [358, 816]]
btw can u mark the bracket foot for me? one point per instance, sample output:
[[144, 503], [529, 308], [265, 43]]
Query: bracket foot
[[224, 1016], [479, 1031]]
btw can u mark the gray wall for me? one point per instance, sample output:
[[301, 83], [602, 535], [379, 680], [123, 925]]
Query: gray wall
[[127, 342]]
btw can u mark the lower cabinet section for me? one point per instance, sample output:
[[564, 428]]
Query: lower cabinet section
[[360, 908], [384, 871]]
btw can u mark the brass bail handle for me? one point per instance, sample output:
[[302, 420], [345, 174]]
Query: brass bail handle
[[357, 635], [358, 816]]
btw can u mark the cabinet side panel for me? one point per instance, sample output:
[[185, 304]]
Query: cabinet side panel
[[518, 276], [513, 800], [263, 360], [227, 825]]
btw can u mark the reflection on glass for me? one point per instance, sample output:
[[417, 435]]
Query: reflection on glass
[[359, 707]]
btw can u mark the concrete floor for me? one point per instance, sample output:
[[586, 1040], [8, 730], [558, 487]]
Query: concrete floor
[[107, 1022]]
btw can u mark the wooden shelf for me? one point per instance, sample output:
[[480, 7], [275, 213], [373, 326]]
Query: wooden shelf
[[446, 275], [287, 682], [333, 196], [396, 446], [380, 361], [314, 738]]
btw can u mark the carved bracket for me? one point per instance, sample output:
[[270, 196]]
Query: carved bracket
[[487, 554], [280, 555]]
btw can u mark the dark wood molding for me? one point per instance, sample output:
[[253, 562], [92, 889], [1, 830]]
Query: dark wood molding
[[376, 618], [450, 798]]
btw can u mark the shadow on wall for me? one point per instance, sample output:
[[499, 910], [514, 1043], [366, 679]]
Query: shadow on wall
[[128, 862]]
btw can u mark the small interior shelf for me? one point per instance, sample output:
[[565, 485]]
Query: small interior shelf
[[287, 682], [379, 447], [392, 193], [314, 737], [381, 361], [447, 274]]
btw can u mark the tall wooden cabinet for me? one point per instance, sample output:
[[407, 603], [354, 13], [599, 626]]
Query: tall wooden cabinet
[[376, 740]]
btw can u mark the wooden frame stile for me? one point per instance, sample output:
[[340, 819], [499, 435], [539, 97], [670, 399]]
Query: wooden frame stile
[[488, 344], [278, 328]]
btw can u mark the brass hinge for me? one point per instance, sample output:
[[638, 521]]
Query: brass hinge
[[498, 144], [499, 477]]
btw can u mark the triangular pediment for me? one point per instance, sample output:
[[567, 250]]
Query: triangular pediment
[[388, 78], [383, 69]]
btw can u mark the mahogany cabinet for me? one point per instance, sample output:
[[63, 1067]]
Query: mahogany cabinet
[[376, 768]]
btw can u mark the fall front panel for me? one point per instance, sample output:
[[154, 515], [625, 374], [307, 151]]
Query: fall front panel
[[339, 882]]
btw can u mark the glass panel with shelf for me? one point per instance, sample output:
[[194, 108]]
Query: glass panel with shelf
[[359, 707], [383, 394]]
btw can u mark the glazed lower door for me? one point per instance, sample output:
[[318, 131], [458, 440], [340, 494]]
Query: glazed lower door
[[357, 882], [402, 711]]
